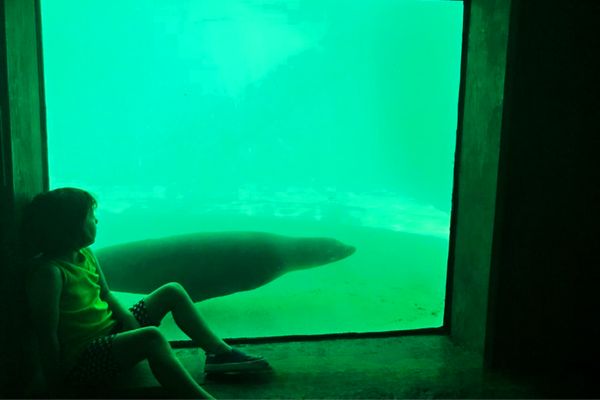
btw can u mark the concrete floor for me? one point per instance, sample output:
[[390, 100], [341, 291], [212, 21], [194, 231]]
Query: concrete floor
[[405, 367]]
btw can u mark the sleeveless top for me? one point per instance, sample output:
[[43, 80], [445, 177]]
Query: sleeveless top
[[83, 315]]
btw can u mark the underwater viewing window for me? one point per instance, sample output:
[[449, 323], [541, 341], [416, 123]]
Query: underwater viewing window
[[298, 118]]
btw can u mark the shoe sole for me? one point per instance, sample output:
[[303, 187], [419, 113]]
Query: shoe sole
[[238, 367]]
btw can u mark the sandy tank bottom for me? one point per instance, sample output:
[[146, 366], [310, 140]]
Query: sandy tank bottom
[[395, 281]]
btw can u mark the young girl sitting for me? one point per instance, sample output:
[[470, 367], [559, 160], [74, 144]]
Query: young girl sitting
[[85, 336]]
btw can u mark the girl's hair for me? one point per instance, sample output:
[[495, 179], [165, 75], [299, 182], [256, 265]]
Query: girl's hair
[[53, 221]]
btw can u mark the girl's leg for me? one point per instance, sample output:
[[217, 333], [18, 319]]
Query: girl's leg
[[173, 297], [133, 346]]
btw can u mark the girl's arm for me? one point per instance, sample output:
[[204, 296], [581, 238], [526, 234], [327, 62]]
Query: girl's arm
[[119, 311], [44, 292]]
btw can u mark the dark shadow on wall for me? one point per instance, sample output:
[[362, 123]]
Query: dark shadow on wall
[[546, 275]]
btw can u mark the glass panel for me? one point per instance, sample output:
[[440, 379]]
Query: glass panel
[[302, 118]]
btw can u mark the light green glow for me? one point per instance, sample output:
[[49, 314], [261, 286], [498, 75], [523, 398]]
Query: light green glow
[[325, 118]]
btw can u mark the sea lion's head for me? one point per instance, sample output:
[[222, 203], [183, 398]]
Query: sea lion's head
[[314, 251]]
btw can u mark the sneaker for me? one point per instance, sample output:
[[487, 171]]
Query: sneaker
[[234, 361]]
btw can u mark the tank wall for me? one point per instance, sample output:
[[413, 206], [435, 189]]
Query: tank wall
[[301, 118]]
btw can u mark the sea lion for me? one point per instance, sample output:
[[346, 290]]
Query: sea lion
[[213, 264]]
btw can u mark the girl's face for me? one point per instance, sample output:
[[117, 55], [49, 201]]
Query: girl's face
[[89, 228]]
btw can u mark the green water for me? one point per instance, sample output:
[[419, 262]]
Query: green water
[[305, 117]]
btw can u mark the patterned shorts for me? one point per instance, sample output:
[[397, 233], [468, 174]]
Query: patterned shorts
[[97, 365]]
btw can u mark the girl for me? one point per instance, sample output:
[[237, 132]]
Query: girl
[[84, 334]]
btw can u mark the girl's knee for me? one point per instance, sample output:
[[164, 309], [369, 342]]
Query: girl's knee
[[174, 291], [152, 337], [143, 343]]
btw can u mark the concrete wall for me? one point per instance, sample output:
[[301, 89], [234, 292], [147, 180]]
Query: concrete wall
[[526, 255], [477, 170], [22, 174]]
